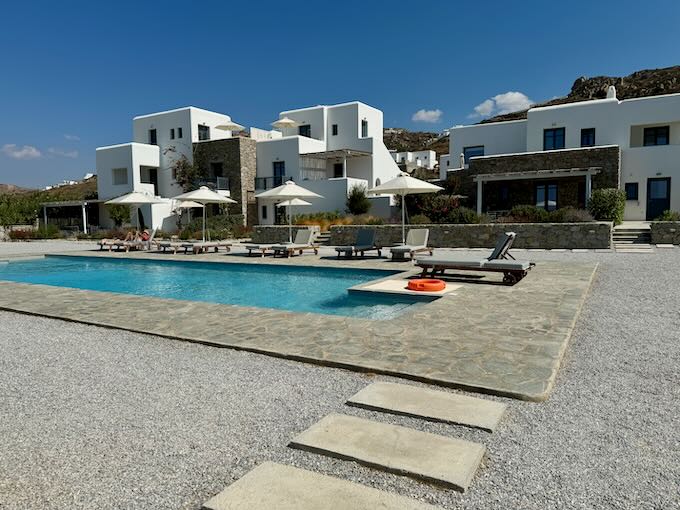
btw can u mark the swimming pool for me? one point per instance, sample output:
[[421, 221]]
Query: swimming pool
[[293, 288]]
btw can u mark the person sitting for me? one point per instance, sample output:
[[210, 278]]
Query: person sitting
[[132, 236], [145, 235]]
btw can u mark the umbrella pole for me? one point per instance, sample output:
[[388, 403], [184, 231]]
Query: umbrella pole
[[403, 219], [290, 224], [203, 222]]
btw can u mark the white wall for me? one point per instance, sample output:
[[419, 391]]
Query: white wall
[[130, 156], [497, 138], [444, 164]]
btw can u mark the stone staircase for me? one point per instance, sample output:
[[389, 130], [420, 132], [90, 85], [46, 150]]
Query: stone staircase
[[323, 238], [632, 239]]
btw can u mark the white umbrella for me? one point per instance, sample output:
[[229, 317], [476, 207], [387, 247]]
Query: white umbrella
[[288, 191], [403, 184], [230, 126], [289, 204], [188, 204], [284, 123], [204, 195], [136, 198]]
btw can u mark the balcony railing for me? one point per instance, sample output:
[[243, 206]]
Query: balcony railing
[[216, 183], [270, 182]]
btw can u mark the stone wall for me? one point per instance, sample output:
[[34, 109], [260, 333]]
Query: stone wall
[[265, 234], [591, 235], [665, 232]]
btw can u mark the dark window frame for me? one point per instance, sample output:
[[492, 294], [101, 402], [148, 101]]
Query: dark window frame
[[632, 190], [172, 133], [656, 133], [364, 128], [546, 186], [334, 130], [589, 134], [552, 134], [467, 156], [153, 137], [305, 130], [203, 133], [264, 212], [179, 132]]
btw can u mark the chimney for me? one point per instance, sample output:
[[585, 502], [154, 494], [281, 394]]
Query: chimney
[[611, 92]]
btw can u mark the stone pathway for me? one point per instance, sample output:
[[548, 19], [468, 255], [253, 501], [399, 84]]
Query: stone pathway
[[430, 405], [401, 450], [278, 487]]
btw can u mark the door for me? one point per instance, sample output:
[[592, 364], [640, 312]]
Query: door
[[658, 196], [338, 170]]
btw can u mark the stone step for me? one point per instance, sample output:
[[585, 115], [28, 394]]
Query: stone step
[[275, 486], [430, 404], [439, 459]]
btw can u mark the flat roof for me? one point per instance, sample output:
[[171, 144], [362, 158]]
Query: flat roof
[[146, 115], [71, 203], [337, 153], [328, 106]]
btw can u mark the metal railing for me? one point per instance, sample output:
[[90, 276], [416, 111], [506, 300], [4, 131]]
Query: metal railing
[[221, 183], [270, 182]]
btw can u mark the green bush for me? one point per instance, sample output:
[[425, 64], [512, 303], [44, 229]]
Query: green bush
[[607, 204], [669, 216], [44, 232], [218, 227], [119, 214], [461, 215], [357, 201], [420, 219], [529, 214], [570, 215], [437, 207]]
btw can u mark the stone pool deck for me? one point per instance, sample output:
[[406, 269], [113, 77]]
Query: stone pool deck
[[485, 336]]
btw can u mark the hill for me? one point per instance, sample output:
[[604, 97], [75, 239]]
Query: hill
[[402, 140]]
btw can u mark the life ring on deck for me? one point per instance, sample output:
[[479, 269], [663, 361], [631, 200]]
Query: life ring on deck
[[426, 285]]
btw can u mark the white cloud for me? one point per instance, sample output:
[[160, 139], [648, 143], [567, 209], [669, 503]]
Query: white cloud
[[72, 138], [12, 150], [63, 153], [501, 104], [431, 116]]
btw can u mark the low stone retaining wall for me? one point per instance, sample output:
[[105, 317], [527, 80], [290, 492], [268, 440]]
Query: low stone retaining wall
[[591, 235], [665, 232], [267, 234]]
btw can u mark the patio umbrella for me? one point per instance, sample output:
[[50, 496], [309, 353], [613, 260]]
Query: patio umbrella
[[403, 184], [189, 204], [204, 195], [285, 123], [135, 198], [289, 204], [230, 126], [288, 191]]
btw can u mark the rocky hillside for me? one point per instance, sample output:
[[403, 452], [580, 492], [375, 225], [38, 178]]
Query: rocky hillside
[[649, 82], [401, 140]]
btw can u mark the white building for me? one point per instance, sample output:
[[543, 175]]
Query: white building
[[145, 164], [331, 150], [646, 132], [444, 163], [422, 159]]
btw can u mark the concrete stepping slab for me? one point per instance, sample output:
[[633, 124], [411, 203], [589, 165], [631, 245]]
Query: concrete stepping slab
[[439, 459], [430, 404], [275, 486]]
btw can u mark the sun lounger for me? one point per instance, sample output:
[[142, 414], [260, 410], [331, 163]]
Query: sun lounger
[[206, 246], [302, 242], [137, 244], [262, 248], [173, 246], [364, 242], [416, 241], [108, 243], [499, 261]]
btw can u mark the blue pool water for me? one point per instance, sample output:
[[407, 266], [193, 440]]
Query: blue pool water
[[298, 289]]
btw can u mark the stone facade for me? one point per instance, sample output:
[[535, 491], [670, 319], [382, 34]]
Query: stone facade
[[266, 234], [592, 235], [238, 157], [571, 190], [665, 232]]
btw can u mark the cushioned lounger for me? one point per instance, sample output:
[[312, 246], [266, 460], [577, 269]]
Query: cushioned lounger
[[262, 248], [303, 241], [364, 242], [416, 241]]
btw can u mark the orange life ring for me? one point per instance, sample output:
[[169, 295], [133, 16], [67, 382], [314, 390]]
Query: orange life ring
[[426, 285]]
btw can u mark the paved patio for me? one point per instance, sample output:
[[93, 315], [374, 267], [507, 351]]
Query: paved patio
[[486, 337]]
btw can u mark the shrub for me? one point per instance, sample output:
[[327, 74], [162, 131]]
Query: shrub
[[461, 215], [669, 216], [436, 207], [218, 227], [47, 232], [357, 201], [570, 215], [119, 214], [608, 204], [323, 219], [366, 219], [420, 219], [529, 214]]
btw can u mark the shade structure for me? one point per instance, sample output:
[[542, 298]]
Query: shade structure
[[288, 191], [135, 198], [204, 195], [230, 126], [284, 123], [403, 184], [188, 204]]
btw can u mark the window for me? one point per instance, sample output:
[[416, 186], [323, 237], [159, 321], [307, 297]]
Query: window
[[364, 128], [334, 130], [403, 158], [203, 133], [338, 170], [656, 135], [631, 191], [153, 140], [553, 139], [279, 168], [546, 196], [264, 212], [588, 137], [179, 132], [120, 176], [216, 170], [305, 130], [471, 152], [172, 134]]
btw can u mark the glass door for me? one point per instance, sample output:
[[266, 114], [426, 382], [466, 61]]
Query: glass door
[[658, 197]]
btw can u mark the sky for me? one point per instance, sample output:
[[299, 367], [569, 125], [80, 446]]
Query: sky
[[73, 74]]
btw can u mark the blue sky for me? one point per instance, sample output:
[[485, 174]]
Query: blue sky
[[75, 73]]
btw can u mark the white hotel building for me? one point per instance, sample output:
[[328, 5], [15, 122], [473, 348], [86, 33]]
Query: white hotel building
[[558, 154]]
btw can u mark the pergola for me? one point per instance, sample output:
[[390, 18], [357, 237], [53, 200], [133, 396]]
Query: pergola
[[70, 203], [318, 160], [587, 172]]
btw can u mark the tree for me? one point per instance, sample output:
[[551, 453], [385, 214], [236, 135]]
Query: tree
[[119, 214], [357, 201], [186, 174]]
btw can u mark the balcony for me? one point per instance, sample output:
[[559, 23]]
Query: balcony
[[216, 183], [265, 183]]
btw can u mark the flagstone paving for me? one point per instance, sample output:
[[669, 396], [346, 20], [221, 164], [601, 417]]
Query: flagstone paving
[[275, 486], [448, 461], [430, 404], [507, 340]]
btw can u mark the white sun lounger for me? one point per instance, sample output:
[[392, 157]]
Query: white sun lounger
[[302, 242], [416, 241]]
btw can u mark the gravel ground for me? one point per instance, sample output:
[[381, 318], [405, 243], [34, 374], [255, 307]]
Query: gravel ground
[[98, 418], [19, 248]]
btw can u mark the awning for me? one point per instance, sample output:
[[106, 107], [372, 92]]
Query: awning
[[71, 203], [538, 174], [336, 154]]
